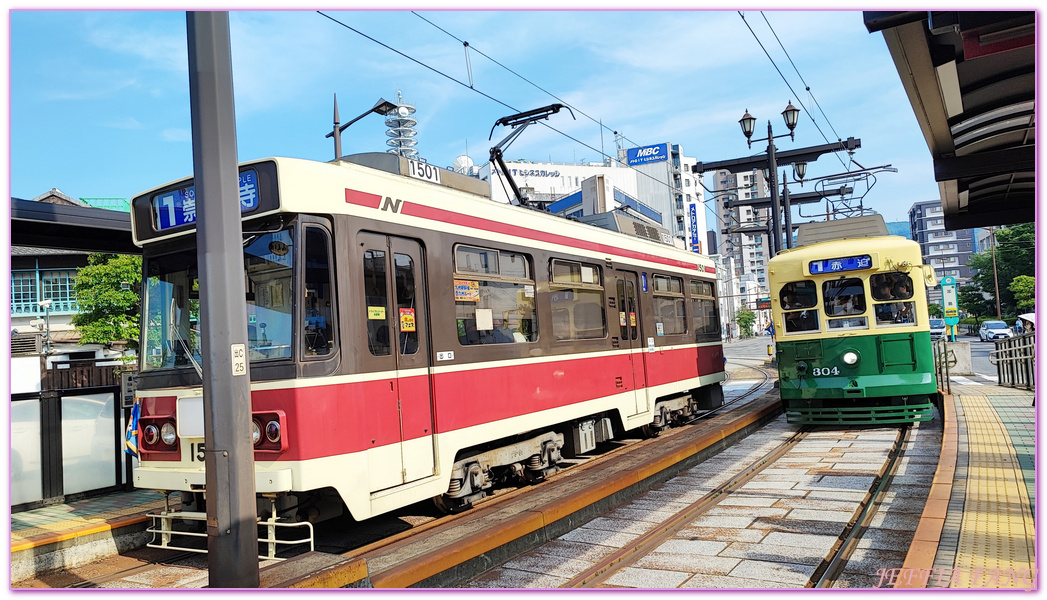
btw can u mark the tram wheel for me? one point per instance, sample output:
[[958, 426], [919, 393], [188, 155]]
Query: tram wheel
[[451, 506]]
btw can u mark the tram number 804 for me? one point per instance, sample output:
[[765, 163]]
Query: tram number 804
[[825, 371]]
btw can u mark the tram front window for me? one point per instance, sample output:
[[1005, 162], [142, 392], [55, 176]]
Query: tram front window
[[171, 336], [887, 290], [799, 295]]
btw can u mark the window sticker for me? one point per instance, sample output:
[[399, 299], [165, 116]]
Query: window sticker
[[376, 313], [466, 291], [484, 319], [659, 328], [528, 291], [407, 319], [632, 319], [622, 320]]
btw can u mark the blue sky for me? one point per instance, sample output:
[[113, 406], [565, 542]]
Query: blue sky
[[99, 101]]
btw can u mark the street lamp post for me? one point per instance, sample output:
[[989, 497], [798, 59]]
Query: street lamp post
[[382, 107], [748, 122]]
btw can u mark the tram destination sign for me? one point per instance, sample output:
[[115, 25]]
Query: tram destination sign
[[177, 207], [838, 265]]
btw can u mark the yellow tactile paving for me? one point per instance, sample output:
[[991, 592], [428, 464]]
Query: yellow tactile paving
[[997, 534]]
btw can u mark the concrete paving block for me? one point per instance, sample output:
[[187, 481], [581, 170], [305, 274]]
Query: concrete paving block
[[775, 553], [513, 579], [722, 534], [700, 547], [835, 516], [613, 539], [564, 549], [742, 499], [688, 563], [743, 511], [647, 578], [792, 574], [556, 566], [165, 577], [720, 521], [842, 482], [896, 521], [817, 504], [805, 540], [886, 539], [703, 581], [622, 525], [799, 526], [769, 485], [834, 494], [637, 514]]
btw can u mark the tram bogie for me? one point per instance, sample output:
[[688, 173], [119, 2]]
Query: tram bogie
[[852, 332], [411, 339]]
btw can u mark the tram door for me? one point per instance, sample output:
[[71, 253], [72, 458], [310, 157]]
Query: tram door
[[630, 334], [399, 412]]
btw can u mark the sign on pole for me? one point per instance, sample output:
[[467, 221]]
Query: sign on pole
[[950, 303]]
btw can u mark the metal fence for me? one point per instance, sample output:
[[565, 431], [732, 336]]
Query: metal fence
[[1015, 360], [941, 364]]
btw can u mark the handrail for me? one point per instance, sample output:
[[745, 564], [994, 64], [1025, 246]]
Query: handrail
[[1015, 360]]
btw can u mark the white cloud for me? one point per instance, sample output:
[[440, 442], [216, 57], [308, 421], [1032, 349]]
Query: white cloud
[[124, 123], [176, 135]]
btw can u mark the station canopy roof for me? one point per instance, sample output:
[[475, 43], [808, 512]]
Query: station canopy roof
[[970, 77]]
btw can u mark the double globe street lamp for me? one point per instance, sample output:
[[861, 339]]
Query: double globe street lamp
[[748, 123]]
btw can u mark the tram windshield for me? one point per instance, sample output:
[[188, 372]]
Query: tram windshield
[[171, 334], [889, 290]]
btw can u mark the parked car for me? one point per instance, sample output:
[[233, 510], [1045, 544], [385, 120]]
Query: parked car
[[994, 330], [937, 328]]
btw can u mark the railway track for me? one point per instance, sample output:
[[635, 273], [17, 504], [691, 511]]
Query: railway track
[[343, 535], [786, 516]]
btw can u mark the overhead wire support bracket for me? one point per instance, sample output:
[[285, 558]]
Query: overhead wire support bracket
[[518, 123]]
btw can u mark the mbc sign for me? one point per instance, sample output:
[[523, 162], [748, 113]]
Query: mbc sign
[[647, 154]]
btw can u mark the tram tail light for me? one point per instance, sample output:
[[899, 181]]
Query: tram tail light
[[267, 431]]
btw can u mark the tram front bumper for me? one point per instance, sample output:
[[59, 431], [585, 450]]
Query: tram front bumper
[[185, 480]]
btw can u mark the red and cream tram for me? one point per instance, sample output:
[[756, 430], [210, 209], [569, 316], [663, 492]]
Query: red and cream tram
[[410, 339]]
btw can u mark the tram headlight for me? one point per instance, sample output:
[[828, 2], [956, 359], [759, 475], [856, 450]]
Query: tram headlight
[[272, 431], [256, 432], [850, 358], [151, 434], [801, 368], [168, 434]]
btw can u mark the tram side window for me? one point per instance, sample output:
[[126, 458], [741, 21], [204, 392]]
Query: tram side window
[[705, 317], [799, 299], [577, 301], [376, 300], [844, 300], [889, 290], [669, 312], [268, 260], [319, 294], [497, 308]]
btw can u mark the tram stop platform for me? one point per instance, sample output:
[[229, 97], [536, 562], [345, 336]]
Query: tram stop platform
[[976, 529]]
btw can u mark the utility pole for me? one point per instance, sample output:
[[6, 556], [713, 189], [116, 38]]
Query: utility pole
[[232, 532], [995, 276]]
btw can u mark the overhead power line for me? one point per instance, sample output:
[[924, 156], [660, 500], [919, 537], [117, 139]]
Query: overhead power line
[[492, 98]]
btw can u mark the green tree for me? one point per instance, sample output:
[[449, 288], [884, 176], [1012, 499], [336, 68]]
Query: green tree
[[746, 319], [1024, 289], [935, 310], [108, 311], [974, 303], [1015, 256]]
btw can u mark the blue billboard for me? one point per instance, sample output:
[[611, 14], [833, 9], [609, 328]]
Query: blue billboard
[[647, 154]]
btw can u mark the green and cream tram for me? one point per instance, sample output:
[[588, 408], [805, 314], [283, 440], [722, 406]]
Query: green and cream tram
[[852, 330]]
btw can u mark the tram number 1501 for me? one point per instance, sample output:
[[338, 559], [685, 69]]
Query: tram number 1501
[[825, 371], [424, 171]]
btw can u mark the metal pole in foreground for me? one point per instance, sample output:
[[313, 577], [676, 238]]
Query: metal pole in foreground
[[232, 534], [772, 164]]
